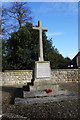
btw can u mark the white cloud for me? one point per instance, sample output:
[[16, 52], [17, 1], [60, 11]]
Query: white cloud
[[54, 34]]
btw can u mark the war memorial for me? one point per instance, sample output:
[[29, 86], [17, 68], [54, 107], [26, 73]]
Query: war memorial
[[40, 93], [42, 87]]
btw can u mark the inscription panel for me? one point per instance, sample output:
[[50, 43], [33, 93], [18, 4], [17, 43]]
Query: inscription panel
[[42, 70]]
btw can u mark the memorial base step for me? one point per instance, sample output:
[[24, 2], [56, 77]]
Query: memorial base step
[[44, 87], [42, 93], [42, 82]]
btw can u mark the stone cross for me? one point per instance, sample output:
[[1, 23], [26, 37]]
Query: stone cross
[[40, 39]]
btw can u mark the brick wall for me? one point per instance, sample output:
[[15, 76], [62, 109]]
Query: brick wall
[[21, 77]]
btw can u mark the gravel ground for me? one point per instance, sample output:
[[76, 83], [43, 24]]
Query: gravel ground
[[64, 109]]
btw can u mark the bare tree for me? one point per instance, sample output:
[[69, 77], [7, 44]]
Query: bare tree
[[15, 16]]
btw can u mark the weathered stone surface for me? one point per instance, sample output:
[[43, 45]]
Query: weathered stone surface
[[42, 87], [0, 100], [40, 91], [16, 77], [22, 77], [42, 99], [40, 29], [42, 69], [65, 75]]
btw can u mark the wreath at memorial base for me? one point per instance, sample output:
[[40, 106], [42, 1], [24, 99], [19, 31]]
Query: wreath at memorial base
[[48, 90]]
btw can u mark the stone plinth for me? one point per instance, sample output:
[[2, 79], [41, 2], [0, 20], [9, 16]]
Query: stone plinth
[[39, 91], [42, 75], [42, 70]]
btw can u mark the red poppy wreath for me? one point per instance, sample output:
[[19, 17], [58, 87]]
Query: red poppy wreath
[[48, 90]]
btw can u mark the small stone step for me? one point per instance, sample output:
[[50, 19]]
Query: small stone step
[[42, 93], [32, 88], [41, 82], [43, 87], [45, 99]]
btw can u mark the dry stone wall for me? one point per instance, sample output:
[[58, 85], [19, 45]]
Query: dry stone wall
[[16, 77], [21, 77], [65, 75]]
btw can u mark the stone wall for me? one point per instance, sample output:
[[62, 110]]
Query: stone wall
[[65, 75], [16, 77], [21, 77]]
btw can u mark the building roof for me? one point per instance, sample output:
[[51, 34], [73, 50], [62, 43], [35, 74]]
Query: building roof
[[76, 55]]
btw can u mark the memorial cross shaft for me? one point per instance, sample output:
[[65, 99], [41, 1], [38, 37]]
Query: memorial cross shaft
[[40, 40]]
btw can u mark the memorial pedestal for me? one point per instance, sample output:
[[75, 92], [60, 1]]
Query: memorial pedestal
[[42, 70], [42, 74], [42, 81]]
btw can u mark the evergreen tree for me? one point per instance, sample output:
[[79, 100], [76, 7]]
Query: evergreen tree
[[21, 50]]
